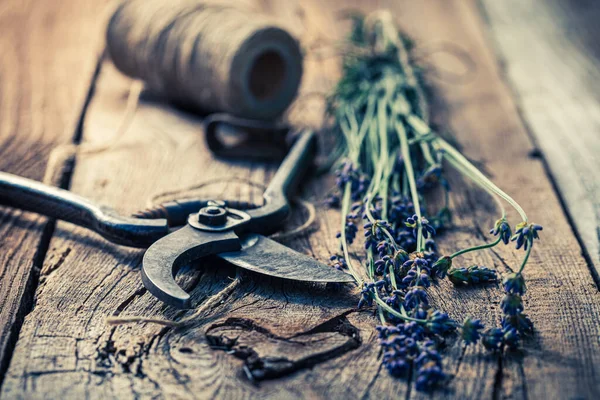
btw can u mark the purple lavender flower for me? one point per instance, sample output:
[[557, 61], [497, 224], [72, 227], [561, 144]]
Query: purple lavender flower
[[338, 262], [400, 346], [383, 248], [492, 339], [413, 222], [519, 321], [439, 323], [511, 338], [395, 300], [515, 284], [348, 173], [376, 232], [441, 266], [350, 229], [382, 264], [400, 209], [502, 228], [471, 330], [414, 297], [525, 234], [395, 362], [511, 304], [333, 201], [471, 275], [429, 364], [415, 278], [368, 293], [430, 177]]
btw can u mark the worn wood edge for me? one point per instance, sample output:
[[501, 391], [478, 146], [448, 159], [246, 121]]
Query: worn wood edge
[[480, 370], [568, 67], [21, 270]]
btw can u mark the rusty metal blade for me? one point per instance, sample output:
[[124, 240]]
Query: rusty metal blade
[[265, 256], [165, 256]]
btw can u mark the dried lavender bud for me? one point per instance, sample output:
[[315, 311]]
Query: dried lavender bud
[[471, 330], [492, 339], [515, 284], [429, 363], [414, 297], [430, 177], [511, 338], [502, 228], [338, 262], [439, 323], [472, 275], [441, 266], [333, 201], [519, 321], [511, 304], [525, 234], [413, 222]]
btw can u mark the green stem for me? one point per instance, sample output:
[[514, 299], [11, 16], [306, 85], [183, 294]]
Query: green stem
[[411, 181], [475, 248], [526, 256], [467, 173], [393, 278], [453, 154], [381, 317], [345, 209], [395, 313], [464, 166]]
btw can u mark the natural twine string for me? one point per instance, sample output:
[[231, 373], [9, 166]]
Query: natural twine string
[[209, 55], [61, 157]]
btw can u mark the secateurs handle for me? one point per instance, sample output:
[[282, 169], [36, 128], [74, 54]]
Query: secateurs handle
[[276, 209], [30, 195]]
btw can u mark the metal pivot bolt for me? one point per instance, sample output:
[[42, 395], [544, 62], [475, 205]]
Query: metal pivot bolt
[[212, 215]]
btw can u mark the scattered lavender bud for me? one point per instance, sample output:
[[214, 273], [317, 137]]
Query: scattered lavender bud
[[472, 275], [414, 297], [441, 266], [502, 228], [519, 321], [511, 338], [439, 323], [492, 339], [471, 330], [511, 304], [515, 284], [525, 234]]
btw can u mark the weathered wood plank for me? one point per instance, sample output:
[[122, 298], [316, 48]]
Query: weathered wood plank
[[66, 349], [49, 54], [551, 53]]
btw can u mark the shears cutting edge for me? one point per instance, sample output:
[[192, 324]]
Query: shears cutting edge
[[212, 228]]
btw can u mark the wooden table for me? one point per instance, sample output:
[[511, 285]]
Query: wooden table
[[529, 112]]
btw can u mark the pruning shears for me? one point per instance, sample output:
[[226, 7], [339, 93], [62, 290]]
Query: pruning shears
[[210, 227]]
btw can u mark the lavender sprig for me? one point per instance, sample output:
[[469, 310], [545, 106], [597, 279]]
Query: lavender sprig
[[392, 159]]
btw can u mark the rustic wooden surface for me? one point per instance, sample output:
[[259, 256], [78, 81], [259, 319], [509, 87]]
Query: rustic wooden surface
[[311, 343], [560, 100], [49, 51]]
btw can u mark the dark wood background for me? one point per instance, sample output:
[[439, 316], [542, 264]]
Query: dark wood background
[[528, 111]]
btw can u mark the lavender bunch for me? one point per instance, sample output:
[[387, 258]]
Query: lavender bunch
[[392, 158]]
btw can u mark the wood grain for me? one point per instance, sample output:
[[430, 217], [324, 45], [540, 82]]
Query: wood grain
[[306, 338], [551, 53], [49, 54]]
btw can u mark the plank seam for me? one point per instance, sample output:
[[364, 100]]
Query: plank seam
[[27, 302], [537, 152]]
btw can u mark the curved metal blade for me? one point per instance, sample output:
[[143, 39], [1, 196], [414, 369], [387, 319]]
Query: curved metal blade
[[163, 259], [267, 257]]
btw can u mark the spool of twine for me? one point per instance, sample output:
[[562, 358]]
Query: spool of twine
[[207, 55]]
